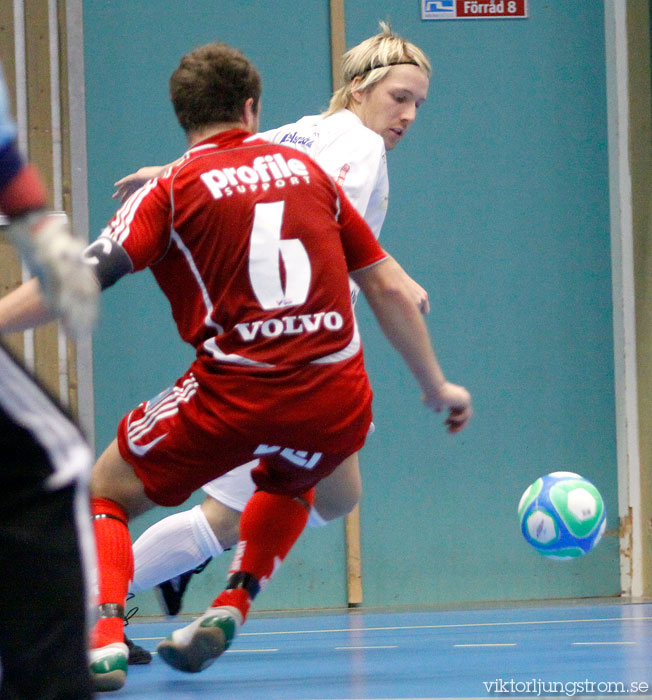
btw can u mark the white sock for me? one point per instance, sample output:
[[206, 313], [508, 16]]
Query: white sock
[[173, 546]]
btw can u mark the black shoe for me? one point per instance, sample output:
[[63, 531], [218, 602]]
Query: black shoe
[[138, 656], [170, 593]]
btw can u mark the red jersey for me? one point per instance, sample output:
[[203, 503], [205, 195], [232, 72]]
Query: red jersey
[[251, 243]]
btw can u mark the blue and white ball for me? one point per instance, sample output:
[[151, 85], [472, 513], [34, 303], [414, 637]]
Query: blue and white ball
[[562, 515]]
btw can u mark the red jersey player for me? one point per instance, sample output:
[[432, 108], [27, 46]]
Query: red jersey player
[[252, 243], [260, 290]]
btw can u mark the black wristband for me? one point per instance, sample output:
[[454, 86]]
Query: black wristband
[[109, 260]]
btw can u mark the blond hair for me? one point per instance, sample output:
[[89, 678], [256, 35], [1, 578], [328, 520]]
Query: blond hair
[[371, 60]]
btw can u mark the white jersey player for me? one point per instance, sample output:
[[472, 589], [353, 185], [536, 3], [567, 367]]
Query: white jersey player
[[385, 82]]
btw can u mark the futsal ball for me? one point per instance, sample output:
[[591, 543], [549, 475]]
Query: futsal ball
[[562, 515]]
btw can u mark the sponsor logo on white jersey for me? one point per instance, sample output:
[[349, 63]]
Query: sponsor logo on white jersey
[[342, 174], [297, 141], [290, 325], [264, 173]]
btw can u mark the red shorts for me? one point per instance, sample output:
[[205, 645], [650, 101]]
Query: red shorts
[[301, 425]]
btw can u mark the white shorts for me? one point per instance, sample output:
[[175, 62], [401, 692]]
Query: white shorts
[[234, 488]]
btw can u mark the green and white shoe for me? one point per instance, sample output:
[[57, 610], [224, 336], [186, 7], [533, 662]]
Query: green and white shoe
[[194, 647], [109, 666]]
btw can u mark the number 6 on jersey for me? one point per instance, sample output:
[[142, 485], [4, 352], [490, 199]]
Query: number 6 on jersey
[[265, 264]]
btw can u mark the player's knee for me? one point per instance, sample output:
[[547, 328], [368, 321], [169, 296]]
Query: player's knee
[[224, 521], [332, 505], [115, 479]]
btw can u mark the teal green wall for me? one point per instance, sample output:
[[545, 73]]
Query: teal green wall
[[498, 205]]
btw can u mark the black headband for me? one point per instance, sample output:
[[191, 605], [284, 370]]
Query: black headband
[[384, 65]]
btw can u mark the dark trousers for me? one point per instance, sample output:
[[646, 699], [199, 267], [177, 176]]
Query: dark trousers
[[43, 630]]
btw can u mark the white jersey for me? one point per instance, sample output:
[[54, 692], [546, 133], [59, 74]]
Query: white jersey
[[349, 152], [355, 157]]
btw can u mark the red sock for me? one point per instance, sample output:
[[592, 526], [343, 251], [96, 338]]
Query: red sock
[[236, 597], [269, 527], [115, 566]]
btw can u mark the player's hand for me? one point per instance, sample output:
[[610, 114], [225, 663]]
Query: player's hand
[[68, 284], [127, 185], [458, 402]]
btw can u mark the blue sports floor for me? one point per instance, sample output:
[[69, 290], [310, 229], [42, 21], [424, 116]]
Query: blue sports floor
[[601, 650]]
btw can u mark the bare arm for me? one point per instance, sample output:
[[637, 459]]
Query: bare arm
[[99, 266], [385, 288], [24, 308], [127, 185], [417, 293]]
